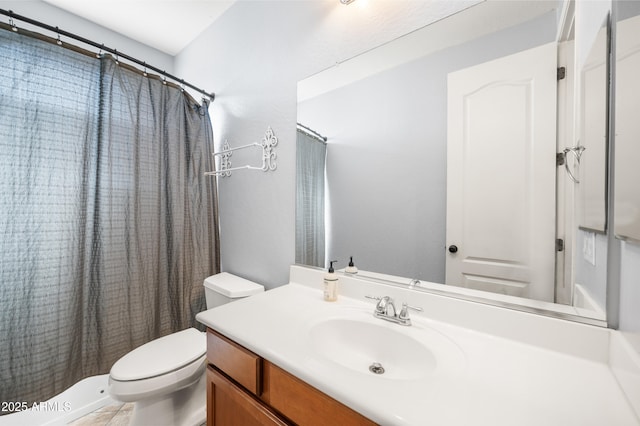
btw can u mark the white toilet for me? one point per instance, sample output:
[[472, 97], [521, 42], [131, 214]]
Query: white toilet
[[165, 378]]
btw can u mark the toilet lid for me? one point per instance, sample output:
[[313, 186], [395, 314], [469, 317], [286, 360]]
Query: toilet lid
[[232, 286], [161, 356]]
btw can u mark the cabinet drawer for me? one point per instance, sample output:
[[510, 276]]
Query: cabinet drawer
[[240, 364], [230, 405], [302, 403]]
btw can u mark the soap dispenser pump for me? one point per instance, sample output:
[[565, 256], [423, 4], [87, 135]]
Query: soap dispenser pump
[[331, 284], [351, 269]]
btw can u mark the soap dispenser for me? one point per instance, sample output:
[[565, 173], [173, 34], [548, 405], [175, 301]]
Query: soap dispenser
[[351, 269], [331, 284]]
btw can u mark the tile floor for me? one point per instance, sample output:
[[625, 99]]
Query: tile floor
[[117, 414]]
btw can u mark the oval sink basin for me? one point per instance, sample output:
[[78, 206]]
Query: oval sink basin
[[404, 353]]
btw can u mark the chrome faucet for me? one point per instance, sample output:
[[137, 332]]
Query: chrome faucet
[[386, 310], [385, 307]]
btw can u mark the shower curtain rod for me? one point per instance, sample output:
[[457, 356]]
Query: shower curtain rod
[[58, 31], [312, 133]]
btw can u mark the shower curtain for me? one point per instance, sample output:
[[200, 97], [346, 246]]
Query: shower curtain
[[108, 223], [311, 154]]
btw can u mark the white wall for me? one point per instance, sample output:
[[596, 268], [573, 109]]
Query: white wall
[[252, 57], [590, 16], [51, 15], [592, 276]]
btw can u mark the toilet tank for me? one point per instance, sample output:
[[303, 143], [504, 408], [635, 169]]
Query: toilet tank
[[225, 287]]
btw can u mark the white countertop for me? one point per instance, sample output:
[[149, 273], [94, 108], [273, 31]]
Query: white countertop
[[497, 381]]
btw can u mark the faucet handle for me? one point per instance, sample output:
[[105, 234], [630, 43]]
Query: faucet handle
[[380, 306], [384, 303], [404, 312]]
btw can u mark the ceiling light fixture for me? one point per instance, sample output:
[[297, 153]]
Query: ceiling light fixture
[[346, 1]]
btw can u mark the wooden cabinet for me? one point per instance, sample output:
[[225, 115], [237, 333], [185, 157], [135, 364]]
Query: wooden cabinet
[[228, 404], [242, 365], [304, 404], [244, 389]]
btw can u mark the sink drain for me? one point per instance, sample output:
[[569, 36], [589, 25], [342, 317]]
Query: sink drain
[[376, 368]]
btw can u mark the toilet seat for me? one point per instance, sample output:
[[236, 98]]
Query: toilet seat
[[163, 365], [161, 356]]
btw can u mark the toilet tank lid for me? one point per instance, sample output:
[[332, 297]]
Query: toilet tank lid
[[161, 356], [232, 286]]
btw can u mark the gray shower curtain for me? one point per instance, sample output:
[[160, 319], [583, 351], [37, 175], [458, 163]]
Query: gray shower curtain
[[108, 223], [311, 154]]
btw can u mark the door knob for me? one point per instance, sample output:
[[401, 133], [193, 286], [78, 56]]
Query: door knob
[[453, 248]]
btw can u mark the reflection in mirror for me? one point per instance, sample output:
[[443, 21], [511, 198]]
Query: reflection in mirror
[[501, 139], [589, 162], [627, 105], [589, 158], [311, 152], [442, 168]]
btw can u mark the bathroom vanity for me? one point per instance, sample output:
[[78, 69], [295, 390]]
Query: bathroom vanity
[[286, 356], [243, 388]]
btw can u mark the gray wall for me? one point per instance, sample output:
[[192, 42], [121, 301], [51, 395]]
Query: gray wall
[[387, 155], [253, 57], [630, 290]]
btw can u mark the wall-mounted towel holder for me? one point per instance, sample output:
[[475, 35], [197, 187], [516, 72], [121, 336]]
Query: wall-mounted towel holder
[[268, 143], [577, 153]]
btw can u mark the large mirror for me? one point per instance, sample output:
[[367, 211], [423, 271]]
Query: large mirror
[[437, 158]]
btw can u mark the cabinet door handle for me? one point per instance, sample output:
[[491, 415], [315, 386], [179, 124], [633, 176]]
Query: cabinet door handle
[[453, 248]]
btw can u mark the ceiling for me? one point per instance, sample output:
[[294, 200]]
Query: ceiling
[[167, 25]]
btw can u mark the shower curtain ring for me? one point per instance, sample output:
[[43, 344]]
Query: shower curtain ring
[[115, 52], [145, 69], [99, 54], [164, 79], [11, 22], [58, 41]]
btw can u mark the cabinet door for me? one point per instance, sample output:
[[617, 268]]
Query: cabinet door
[[228, 405]]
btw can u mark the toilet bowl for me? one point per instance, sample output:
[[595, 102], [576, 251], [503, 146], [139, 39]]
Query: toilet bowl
[[166, 378]]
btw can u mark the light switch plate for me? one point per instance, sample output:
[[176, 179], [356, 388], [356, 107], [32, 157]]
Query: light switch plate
[[589, 248]]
